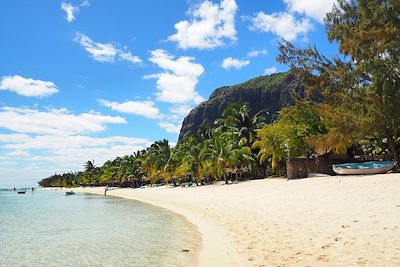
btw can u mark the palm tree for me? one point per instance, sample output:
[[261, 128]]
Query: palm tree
[[88, 171], [241, 127], [154, 162], [220, 155], [237, 120], [188, 154], [109, 170]]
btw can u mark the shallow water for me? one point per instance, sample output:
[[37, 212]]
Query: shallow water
[[47, 228]]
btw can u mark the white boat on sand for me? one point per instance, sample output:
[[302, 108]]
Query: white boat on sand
[[370, 167]]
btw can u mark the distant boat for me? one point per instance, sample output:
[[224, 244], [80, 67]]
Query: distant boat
[[70, 193], [21, 192], [370, 167]]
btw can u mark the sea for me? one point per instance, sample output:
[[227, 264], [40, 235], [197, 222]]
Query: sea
[[48, 228]]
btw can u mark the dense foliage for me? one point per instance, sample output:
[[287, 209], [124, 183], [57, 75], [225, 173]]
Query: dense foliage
[[361, 87]]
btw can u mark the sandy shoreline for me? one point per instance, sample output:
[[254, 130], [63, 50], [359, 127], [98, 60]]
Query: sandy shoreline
[[216, 246], [329, 221]]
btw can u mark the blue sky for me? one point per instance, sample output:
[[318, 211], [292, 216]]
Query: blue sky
[[92, 80]]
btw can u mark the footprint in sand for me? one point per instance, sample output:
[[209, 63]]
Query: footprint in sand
[[323, 258], [361, 261], [327, 246]]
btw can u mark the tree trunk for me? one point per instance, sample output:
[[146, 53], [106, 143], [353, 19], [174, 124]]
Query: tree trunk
[[393, 150]]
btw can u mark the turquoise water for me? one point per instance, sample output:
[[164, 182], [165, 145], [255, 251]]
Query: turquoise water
[[47, 228]]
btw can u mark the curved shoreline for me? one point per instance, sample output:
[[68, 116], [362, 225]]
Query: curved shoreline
[[324, 221], [215, 246]]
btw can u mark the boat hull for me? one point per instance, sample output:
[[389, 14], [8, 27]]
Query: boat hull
[[363, 168]]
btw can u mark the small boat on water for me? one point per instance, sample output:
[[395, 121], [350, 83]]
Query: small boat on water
[[21, 192], [370, 167], [70, 193]]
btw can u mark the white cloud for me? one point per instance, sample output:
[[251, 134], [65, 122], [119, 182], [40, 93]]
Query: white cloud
[[170, 127], [42, 143], [63, 152], [69, 10], [256, 53], [54, 121], [8, 162], [104, 52], [178, 82], [141, 108], [283, 24], [129, 57], [286, 24], [27, 86], [98, 51], [18, 153], [171, 122], [269, 71], [311, 8], [58, 142], [180, 110], [85, 3], [210, 24], [234, 63]]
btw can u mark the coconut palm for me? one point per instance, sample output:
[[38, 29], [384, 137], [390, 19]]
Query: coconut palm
[[155, 160], [187, 153], [220, 155], [237, 120], [88, 171]]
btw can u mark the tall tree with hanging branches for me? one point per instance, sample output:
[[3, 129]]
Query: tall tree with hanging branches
[[361, 87]]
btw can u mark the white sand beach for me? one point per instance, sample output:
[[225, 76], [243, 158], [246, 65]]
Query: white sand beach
[[325, 221]]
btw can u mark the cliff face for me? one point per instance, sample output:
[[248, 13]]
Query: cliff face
[[272, 92]]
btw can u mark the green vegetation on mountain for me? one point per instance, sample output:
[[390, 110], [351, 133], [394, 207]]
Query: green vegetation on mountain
[[263, 83], [271, 92]]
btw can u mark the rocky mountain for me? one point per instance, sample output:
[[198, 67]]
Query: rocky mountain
[[271, 92]]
